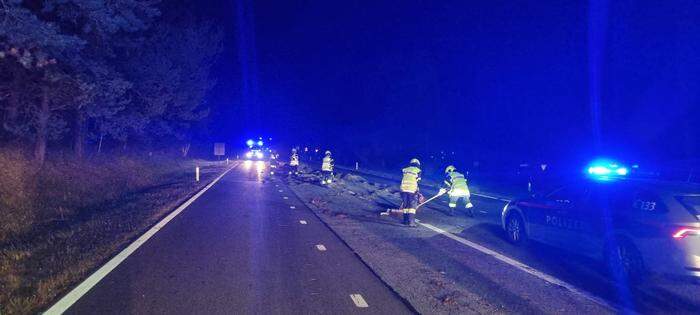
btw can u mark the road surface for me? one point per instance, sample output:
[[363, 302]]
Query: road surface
[[245, 246], [655, 295]]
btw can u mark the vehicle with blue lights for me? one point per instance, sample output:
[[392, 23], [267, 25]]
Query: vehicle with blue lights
[[255, 155], [637, 227], [256, 151]]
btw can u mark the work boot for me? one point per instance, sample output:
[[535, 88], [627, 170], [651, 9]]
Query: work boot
[[452, 212], [412, 220], [405, 219]]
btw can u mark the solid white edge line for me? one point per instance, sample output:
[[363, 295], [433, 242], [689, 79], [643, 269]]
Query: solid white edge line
[[515, 263], [74, 295], [491, 197], [359, 300], [523, 267]]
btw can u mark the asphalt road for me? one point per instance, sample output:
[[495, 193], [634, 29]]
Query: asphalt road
[[656, 295], [242, 248]]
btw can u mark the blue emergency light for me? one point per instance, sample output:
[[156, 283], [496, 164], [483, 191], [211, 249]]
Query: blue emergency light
[[605, 170]]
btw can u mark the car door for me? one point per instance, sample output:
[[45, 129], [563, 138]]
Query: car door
[[564, 220]]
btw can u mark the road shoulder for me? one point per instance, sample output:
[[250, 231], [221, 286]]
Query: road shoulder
[[435, 274]]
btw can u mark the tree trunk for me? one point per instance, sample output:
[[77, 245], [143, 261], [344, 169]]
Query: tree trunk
[[41, 128], [99, 145], [79, 134], [185, 150], [12, 109]]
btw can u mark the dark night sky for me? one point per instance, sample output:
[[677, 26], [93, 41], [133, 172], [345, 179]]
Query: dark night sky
[[488, 79]]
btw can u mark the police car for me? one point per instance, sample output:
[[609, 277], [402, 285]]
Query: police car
[[637, 227]]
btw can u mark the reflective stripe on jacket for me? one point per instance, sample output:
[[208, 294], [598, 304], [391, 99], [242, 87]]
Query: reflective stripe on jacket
[[327, 164], [457, 184], [409, 182]]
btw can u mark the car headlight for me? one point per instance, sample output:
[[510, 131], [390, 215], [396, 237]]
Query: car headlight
[[249, 154], [259, 155]]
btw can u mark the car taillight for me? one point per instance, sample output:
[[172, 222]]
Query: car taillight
[[686, 231]]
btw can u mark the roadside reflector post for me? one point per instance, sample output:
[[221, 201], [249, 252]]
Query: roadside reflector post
[[226, 161], [357, 166], [196, 173]]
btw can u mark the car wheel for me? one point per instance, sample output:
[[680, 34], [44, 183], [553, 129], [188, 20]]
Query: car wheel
[[515, 229], [625, 262]]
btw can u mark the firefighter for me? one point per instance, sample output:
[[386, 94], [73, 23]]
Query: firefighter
[[456, 187], [327, 169], [294, 162], [409, 192]]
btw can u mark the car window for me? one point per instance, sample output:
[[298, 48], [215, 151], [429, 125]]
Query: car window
[[569, 194], [692, 203]]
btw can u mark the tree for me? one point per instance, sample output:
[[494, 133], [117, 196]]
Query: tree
[[29, 50], [173, 78], [95, 67]]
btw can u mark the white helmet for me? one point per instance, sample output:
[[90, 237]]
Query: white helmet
[[415, 161], [328, 152], [450, 169]]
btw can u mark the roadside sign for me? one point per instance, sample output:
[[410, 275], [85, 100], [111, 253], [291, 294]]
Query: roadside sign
[[219, 148]]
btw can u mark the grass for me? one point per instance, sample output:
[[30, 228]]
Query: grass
[[62, 222]]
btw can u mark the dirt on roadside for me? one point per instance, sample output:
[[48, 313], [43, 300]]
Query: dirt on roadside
[[434, 274]]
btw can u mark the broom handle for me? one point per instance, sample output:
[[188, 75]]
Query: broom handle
[[429, 200]]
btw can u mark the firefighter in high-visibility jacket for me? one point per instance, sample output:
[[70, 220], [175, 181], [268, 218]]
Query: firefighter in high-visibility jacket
[[456, 187], [327, 169], [294, 162], [409, 192]]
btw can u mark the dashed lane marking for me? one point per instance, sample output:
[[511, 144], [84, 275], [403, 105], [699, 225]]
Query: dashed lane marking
[[320, 247], [519, 265], [359, 300], [285, 197], [292, 207], [280, 190], [302, 221], [74, 295]]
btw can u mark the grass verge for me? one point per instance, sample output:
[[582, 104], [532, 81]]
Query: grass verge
[[61, 222]]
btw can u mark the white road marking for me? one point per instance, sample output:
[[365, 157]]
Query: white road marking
[[491, 197], [292, 207], [320, 247], [285, 197], [302, 221], [514, 263], [280, 190], [74, 295], [359, 300]]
